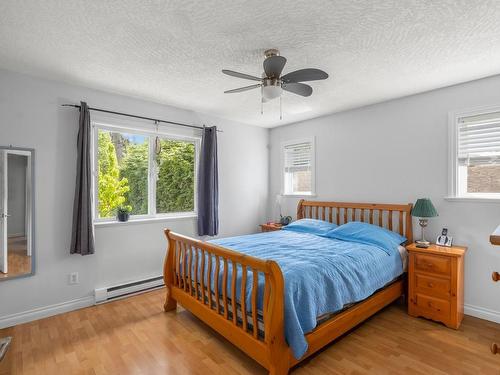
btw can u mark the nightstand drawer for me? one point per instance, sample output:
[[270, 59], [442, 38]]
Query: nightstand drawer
[[434, 308], [432, 285], [433, 264]]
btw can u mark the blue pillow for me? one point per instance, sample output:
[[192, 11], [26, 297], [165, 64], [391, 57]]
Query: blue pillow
[[369, 234], [313, 226]]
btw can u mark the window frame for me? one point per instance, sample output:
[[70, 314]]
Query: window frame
[[284, 144], [453, 173], [152, 215]]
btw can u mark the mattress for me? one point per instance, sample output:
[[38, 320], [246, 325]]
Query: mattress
[[322, 275]]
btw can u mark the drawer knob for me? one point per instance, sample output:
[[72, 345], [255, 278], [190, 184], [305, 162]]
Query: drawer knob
[[430, 285], [495, 276], [494, 348], [432, 306], [429, 265]]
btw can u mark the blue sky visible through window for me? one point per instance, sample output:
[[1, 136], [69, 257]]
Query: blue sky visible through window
[[134, 138]]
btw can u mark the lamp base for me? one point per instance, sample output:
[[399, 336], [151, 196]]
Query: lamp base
[[423, 244]]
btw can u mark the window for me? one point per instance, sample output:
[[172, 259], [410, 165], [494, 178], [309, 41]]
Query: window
[[154, 175], [298, 167], [175, 182], [475, 153]]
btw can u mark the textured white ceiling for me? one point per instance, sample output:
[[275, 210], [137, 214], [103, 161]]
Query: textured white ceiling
[[173, 51]]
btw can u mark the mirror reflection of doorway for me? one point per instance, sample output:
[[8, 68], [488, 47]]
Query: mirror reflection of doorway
[[15, 213]]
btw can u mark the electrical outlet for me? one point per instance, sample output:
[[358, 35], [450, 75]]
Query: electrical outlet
[[73, 278]]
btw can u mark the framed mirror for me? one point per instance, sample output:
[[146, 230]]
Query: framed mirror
[[17, 209]]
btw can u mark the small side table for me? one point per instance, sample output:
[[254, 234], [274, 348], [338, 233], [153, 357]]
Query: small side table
[[495, 276], [270, 227], [436, 283]]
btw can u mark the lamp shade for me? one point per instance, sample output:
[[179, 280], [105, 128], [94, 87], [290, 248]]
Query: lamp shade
[[424, 208]]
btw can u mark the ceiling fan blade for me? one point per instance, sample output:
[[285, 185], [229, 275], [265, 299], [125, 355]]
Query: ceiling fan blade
[[298, 88], [240, 75], [303, 75], [241, 89], [273, 66]]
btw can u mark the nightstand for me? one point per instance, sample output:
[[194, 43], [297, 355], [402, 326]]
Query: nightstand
[[270, 227], [436, 283]]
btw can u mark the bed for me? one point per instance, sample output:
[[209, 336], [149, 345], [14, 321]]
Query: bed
[[236, 286]]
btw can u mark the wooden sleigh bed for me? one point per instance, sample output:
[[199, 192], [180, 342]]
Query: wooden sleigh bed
[[260, 334]]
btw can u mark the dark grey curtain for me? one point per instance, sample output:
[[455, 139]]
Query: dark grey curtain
[[208, 184], [82, 239]]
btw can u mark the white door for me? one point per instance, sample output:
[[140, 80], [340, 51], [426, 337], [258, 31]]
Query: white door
[[3, 211]]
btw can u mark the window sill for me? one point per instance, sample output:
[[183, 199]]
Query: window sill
[[298, 195], [472, 199], [110, 223]]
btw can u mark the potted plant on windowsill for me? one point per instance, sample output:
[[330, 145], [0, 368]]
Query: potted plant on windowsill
[[123, 213]]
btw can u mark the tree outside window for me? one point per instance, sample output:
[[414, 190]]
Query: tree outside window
[[124, 178]]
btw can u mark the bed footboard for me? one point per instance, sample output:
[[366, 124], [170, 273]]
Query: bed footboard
[[203, 278]]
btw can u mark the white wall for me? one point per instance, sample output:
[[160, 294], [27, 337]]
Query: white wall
[[389, 152], [31, 116], [396, 152], [16, 171]]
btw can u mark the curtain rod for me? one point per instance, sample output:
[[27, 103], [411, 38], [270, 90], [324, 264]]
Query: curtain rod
[[135, 116]]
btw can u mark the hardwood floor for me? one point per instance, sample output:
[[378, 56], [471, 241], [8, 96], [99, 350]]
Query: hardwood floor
[[135, 336], [17, 260]]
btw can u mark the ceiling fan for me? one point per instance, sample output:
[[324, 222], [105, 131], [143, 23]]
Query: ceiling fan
[[273, 83]]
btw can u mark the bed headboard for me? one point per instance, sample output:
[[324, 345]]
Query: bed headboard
[[395, 217]]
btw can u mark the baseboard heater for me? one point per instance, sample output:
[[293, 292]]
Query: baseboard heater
[[103, 295]]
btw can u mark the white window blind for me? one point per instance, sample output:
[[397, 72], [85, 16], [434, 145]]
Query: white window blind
[[298, 167], [298, 157], [479, 139]]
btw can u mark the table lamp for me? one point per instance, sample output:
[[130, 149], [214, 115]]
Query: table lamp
[[278, 204], [423, 209]]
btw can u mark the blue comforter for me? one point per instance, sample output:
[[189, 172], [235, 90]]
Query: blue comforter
[[321, 274]]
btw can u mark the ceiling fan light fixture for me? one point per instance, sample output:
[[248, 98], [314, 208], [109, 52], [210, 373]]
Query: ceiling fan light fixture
[[271, 92], [271, 88]]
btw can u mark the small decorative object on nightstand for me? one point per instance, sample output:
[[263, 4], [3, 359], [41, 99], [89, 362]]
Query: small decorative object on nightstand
[[285, 220], [444, 239], [269, 227], [423, 209], [436, 283]]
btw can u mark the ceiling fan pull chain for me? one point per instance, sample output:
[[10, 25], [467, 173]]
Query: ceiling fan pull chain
[[262, 106], [281, 110]]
